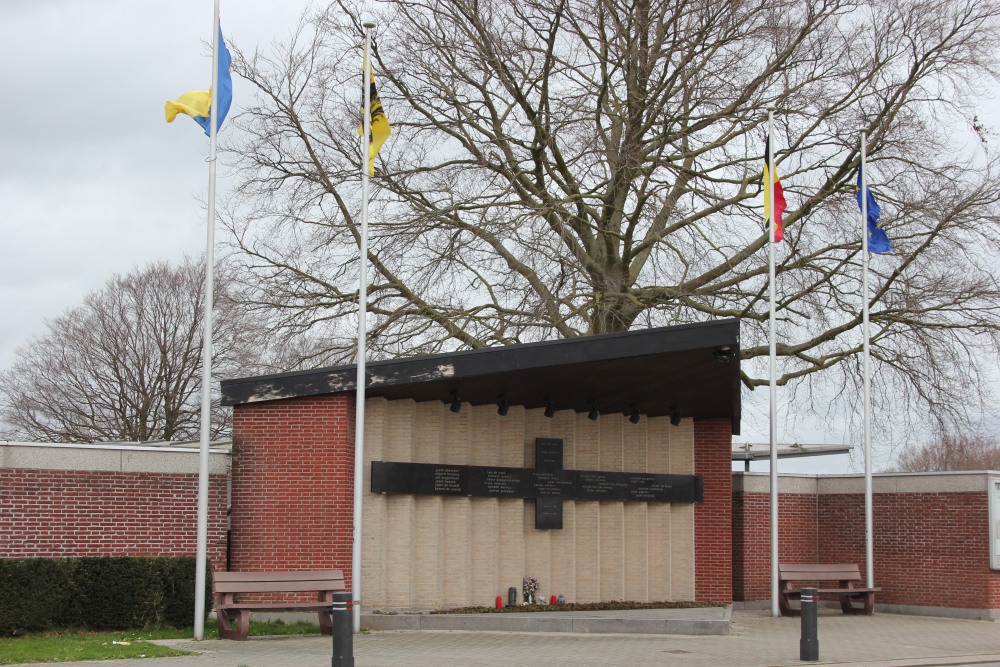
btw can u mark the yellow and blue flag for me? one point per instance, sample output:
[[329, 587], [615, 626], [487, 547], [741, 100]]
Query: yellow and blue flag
[[878, 242], [198, 104]]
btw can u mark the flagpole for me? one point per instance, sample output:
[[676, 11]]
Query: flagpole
[[775, 611], [206, 355], [866, 370], [359, 419]]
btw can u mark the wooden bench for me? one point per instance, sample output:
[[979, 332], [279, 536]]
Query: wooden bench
[[846, 577], [233, 617]]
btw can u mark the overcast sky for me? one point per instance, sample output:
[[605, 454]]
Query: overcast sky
[[94, 182]]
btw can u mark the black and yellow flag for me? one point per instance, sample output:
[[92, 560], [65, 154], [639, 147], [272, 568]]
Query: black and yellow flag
[[380, 124]]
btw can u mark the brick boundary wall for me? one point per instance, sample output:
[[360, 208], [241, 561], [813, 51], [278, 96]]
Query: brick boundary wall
[[65, 513], [713, 517], [798, 543], [293, 484], [931, 546], [931, 549]]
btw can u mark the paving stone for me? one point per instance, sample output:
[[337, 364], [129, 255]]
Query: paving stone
[[756, 640]]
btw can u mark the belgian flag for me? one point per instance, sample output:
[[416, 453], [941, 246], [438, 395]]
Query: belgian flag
[[779, 195]]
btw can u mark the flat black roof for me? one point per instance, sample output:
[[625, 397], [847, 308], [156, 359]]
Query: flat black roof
[[690, 369]]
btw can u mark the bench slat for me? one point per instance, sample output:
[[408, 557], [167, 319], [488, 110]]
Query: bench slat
[[280, 586], [796, 574], [840, 591], [277, 606], [835, 576], [278, 576], [834, 591]]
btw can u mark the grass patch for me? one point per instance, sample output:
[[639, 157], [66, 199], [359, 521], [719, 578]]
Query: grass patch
[[267, 628], [73, 646], [580, 606], [70, 647]]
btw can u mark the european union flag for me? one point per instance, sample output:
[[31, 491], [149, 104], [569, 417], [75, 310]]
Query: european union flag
[[198, 104], [878, 242]]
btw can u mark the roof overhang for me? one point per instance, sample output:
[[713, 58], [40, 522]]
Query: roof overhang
[[746, 451], [690, 370]]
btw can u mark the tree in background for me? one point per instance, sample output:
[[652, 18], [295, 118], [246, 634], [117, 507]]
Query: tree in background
[[952, 452], [561, 168], [126, 364]]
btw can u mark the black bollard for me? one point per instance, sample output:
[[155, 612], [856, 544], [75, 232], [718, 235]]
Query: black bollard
[[809, 641], [343, 630]]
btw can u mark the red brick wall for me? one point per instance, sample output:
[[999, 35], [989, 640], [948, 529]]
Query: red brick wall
[[293, 481], [930, 549], [713, 517], [797, 517], [64, 513]]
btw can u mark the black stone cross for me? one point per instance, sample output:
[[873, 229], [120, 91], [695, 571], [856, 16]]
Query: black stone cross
[[549, 466], [547, 483]]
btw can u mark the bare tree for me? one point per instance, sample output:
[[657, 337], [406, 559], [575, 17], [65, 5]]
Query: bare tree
[[561, 168], [126, 364], [952, 452]]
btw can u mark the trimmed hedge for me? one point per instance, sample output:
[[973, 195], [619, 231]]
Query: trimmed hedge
[[38, 594]]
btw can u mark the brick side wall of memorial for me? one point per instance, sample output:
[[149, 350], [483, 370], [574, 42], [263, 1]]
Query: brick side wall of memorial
[[713, 517], [292, 484]]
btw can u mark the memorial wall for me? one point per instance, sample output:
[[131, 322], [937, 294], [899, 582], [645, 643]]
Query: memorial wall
[[599, 510]]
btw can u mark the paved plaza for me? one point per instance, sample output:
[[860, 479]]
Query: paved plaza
[[756, 640]]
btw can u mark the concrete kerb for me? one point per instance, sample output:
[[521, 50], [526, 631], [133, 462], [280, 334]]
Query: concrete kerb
[[698, 621]]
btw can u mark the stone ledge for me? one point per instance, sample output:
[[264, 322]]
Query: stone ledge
[[925, 482], [109, 458], [699, 621]]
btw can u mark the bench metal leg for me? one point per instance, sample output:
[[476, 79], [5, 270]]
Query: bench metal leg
[[226, 619], [326, 616], [867, 604], [786, 609], [325, 623]]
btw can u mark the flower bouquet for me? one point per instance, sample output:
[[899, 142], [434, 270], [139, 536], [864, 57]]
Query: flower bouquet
[[529, 586]]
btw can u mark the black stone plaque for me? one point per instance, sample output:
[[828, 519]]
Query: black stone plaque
[[664, 488], [420, 479], [548, 513], [548, 454], [547, 483]]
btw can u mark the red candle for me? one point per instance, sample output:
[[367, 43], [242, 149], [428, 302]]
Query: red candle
[[499, 601], [552, 600]]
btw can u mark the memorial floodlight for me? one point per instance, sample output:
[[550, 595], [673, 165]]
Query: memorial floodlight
[[634, 415]]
